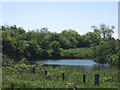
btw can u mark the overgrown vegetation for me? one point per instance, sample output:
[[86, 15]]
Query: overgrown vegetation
[[80, 53], [43, 44], [19, 47], [107, 52], [23, 75]]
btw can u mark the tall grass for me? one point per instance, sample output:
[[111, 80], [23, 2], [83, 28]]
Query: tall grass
[[24, 77]]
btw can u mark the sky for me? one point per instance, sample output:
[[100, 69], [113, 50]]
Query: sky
[[59, 16]]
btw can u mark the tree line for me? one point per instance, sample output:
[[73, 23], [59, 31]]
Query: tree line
[[43, 44]]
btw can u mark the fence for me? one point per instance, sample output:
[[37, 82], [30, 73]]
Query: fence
[[96, 78], [84, 77]]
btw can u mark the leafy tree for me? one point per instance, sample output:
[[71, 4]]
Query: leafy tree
[[42, 44], [54, 49], [105, 31], [64, 42], [71, 35], [110, 32], [104, 50]]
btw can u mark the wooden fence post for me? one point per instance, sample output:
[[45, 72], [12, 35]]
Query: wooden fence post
[[97, 79], [63, 76], [33, 70], [84, 78], [45, 73]]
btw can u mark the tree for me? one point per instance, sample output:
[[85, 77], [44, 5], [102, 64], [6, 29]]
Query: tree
[[64, 42], [44, 30], [71, 36], [102, 51], [110, 32], [105, 31], [93, 38], [54, 49], [96, 30]]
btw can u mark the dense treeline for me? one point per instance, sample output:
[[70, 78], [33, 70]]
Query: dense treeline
[[43, 44], [17, 43]]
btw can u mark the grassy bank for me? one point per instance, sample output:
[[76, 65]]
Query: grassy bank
[[80, 53], [33, 76]]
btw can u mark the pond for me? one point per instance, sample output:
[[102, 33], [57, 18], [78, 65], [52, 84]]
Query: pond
[[75, 63]]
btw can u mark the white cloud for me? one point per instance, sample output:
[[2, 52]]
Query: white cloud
[[115, 36], [81, 33]]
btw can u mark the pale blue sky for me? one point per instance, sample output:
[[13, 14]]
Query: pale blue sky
[[58, 16]]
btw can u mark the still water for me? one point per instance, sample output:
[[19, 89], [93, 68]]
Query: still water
[[67, 62], [76, 63]]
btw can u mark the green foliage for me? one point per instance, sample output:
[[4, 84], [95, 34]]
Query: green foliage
[[21, 75], [39, 44], [113, 59], [54, 49], [106, 52], [80, 53], [19, 47], [94, 38], [105, 31], [42, 44]]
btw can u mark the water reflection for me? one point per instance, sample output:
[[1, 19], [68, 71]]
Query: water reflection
[[67, 62], [82, 65]]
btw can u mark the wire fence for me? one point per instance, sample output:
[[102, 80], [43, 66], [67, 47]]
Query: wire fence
[[81, 78], [84, 77]]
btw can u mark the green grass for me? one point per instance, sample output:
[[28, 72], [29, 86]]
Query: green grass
[[22, 76], [0, 78], [80, 53]]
